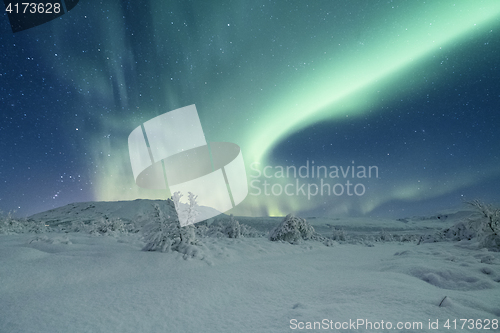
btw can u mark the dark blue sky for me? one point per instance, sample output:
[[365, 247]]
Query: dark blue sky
[[412, 87]]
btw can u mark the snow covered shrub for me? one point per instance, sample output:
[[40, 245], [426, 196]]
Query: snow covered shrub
[[292, 229], [233, 229], [132, 227], [385, 237], [8, 224], [329, 242], [92, 228], [217, 229], [164, 233], [11, 225], [339, 235], [76, 226], [248, 231], [223, 227], [108, 226], [485, 228], [36, 227], [406, 238], [188, 234], [462, 230], [488, 226], [438, 237]]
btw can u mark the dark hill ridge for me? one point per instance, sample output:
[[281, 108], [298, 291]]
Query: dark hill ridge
[[136, 210]]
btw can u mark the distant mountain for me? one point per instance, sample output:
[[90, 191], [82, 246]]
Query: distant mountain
[[136, 210]]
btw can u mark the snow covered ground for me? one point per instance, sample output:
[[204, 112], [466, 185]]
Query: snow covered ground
[[78, 282]]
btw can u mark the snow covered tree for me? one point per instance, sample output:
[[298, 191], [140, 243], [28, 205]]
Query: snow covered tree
[[489, 225], [165, 233], [162, 231], [176, 199], [292, 229], [193, 209], [186, 213], [233, 229], [484, 228]]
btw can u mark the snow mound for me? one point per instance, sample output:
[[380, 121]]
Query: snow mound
[[51, 240], [451, 279]]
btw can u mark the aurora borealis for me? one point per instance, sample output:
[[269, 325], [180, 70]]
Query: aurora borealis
[[410, 87]]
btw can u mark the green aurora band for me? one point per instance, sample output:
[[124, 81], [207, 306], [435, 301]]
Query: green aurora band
[[343, 78]]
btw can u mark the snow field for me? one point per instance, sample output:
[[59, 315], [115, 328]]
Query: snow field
[[79, 283]]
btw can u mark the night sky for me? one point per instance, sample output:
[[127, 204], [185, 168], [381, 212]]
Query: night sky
[[411, 87]]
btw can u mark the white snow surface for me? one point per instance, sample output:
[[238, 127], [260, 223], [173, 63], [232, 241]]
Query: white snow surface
[[76, 282]]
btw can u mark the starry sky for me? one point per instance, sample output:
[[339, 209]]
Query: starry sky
[[411, 87]]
